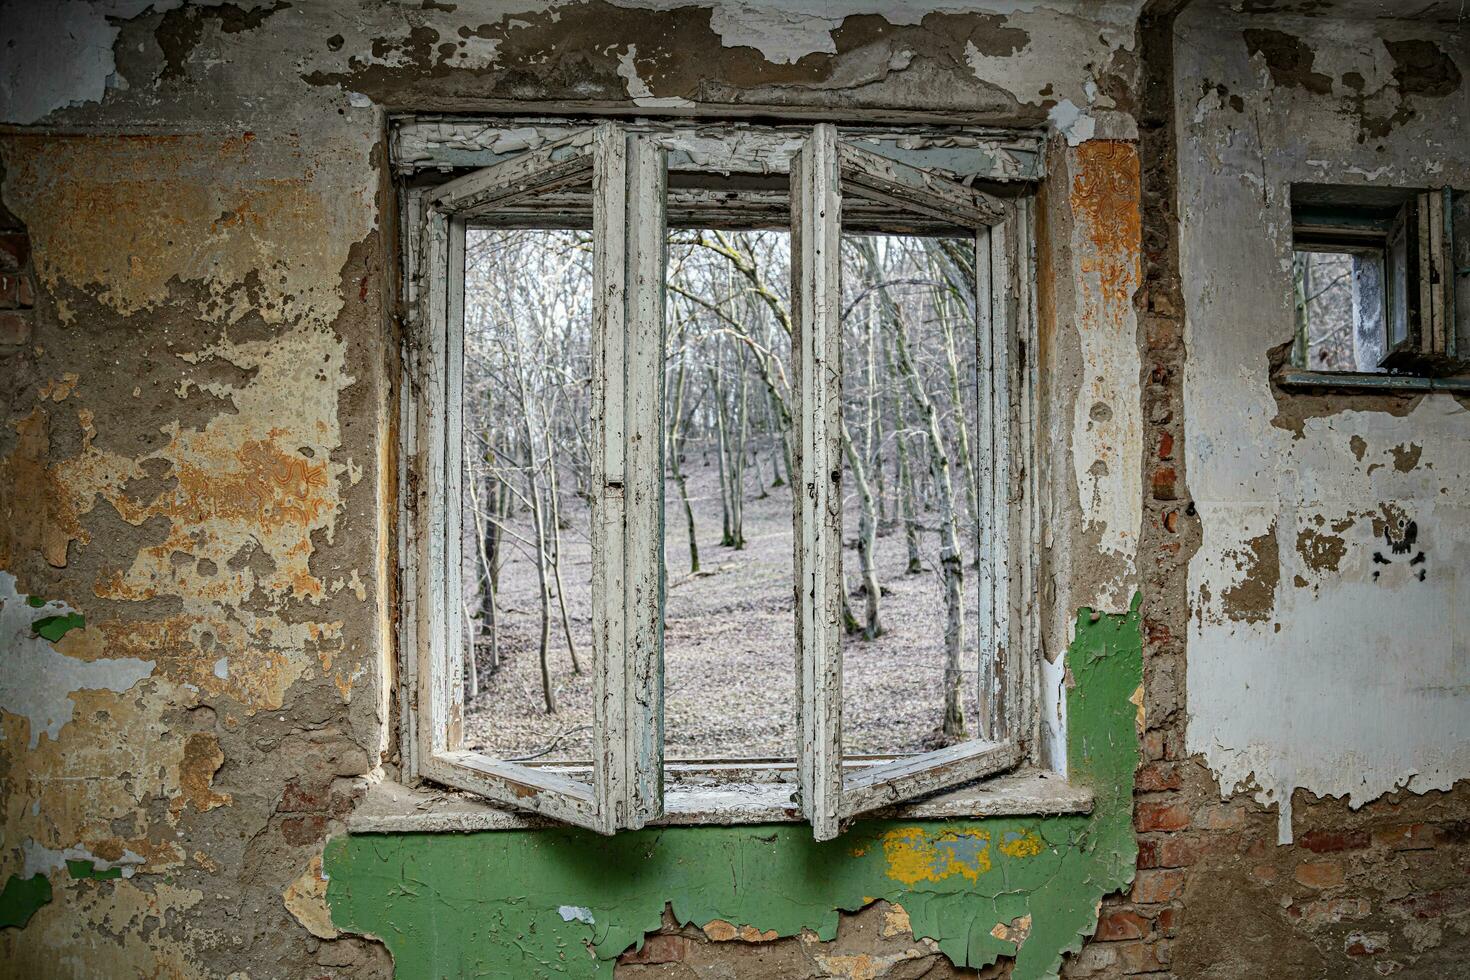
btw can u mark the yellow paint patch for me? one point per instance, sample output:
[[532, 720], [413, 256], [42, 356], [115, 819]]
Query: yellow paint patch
[[66, 936], [1022, 845], [1136, 699], [58, 389], [915, 855]]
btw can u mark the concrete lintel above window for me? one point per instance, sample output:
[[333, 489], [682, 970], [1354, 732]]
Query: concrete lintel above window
[[390, 807]]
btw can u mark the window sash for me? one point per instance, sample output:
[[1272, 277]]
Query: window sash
[[822, 172], [627, 172]]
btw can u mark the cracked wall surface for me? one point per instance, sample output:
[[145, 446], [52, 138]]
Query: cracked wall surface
[[568, 902], [1323, 656]]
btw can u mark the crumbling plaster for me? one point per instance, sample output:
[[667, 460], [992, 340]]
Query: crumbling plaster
[[198, 455], [1320, 657]]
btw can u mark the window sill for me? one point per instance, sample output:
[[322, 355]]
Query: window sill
[[392, 808], [1348, 380]]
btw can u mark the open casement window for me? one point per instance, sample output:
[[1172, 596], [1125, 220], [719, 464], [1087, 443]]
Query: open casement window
[[825, 173], [626, 174], [1379, 286]]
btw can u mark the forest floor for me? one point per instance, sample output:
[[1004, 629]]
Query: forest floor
[[729, 641]]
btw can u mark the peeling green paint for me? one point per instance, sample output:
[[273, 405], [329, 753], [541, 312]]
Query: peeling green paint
[[35, 601], [54, 628], [494, 904], [21, 898], [87, 869]]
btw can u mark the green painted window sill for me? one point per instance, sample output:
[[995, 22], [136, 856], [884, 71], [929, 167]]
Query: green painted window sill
[[394, 808]]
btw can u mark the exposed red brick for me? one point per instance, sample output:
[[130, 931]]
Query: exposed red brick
[[1264, 873], [1158, 632], [1156, 776], [1223, 816], [1364, 944], [304, 830], [1167, 922], [1164, 479], [1121, 924], [1161, 816], [1432, 905], [1454, 832], [1167, 852], [299, 798], [1166, 445], [15, 328], [1325, 841], [1175, 852], [1153, 887], [658, 948], [1143, 957], [1320, 874]]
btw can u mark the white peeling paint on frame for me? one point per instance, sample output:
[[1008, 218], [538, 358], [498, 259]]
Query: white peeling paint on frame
[[1345, 671]]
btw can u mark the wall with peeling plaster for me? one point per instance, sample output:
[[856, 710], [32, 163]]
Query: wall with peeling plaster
[[1320, 658], [197, 445]]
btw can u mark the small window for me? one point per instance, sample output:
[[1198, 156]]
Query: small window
[[1373, 277]]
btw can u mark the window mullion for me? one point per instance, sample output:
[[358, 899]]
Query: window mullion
[[816, 358]]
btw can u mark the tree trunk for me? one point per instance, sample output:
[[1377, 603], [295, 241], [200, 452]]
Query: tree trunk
[[867, 539], [727, 530], [538, 523], [554, 498], [738, 461], [904, 478], [675, 455], [950, 560], [961, 426]]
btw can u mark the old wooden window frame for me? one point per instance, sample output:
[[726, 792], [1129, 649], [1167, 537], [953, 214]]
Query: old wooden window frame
[[627, 164], [826, 172], [1431, 351], [626, 173]]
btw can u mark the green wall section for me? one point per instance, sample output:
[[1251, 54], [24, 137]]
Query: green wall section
[[520, 904], [21, 898]]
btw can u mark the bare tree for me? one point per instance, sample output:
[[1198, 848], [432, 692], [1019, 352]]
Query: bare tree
[[950, 560]]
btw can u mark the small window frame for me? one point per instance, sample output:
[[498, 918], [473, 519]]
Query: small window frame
[[1426, 318]]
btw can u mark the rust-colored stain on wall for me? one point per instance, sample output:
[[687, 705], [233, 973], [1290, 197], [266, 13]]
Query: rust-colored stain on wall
[[1105, 196]]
